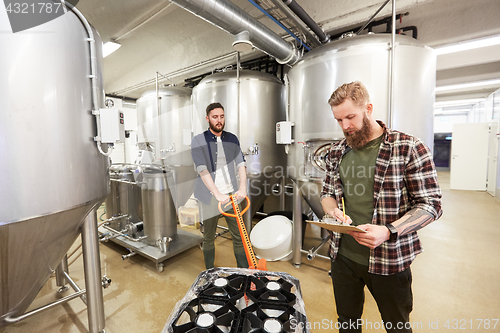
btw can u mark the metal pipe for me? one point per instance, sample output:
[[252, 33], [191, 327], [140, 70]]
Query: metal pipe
[[92, 268], [114, 218], [282, 194], [125, 181], [126, 256], [178, 72], [371, 18], [75, 287], [238, 92], [301, 26], [392, 66], [60, 270], [166, 77], [314, 251], [280, 24], [158, 124], [144, 22], [302, 14], [317, 255], [247, 218], [93, 77], [117, 233], [287, 104], [234, 20], [12, 320], [297, 227]]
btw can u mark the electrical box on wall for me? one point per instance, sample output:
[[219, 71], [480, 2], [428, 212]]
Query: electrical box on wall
[[284, 132], [112, 126]]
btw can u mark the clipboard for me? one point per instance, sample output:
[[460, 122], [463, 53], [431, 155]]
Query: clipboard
[[344, 229]]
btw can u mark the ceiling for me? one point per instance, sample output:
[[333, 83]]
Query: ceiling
[[159, 36]]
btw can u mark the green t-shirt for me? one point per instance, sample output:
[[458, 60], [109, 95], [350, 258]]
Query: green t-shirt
[[357, 169]]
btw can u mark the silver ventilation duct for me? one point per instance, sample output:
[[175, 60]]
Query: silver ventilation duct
[[234, 20]]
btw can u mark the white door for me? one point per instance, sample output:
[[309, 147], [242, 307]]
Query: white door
[[469, 156], [492, 158]]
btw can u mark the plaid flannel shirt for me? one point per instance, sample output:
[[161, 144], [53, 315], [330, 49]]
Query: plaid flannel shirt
[[405, 178]]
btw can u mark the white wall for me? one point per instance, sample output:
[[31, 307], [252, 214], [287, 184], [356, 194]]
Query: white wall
[[444, 123], [497, 194]]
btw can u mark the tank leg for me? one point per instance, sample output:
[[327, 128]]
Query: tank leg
[[297, 227], [282, 194], [159, 267], [60, 279], [92, 267], [247, 217]]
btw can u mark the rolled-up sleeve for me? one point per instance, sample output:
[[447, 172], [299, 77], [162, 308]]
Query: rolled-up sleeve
[[198, 155], [422, 182]]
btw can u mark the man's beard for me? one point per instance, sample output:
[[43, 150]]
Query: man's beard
[[361, 137], [216, 129]]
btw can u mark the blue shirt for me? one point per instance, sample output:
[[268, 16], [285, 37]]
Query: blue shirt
[[204, 153]]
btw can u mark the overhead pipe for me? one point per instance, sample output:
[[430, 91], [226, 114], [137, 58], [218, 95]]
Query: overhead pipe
[[280, 24], [371, 18], [392, 66], [310, 38], [301, 13], [93, 77], [232, 19]]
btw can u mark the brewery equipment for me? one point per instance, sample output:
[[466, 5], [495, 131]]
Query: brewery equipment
[[54, 175], [364, 58], [253, 102], [150, 194]]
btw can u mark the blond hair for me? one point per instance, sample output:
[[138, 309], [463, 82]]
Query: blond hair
[[355, 91]]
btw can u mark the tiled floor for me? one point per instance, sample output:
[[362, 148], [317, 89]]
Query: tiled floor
[[455, 281]]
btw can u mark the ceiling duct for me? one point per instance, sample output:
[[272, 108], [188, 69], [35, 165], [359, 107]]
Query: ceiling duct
[[234, 20]]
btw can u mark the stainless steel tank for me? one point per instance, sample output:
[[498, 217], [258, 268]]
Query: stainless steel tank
[[52, 172], [367, 59], [124, 197], [252, 108], [160, 219], [113, 199], [166, 124]]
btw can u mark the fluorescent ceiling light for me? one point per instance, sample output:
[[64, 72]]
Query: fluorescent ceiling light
[[476, 84], [468, 45], [470, 101], [109, 48]]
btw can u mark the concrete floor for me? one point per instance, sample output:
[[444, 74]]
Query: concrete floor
[[455, 281]]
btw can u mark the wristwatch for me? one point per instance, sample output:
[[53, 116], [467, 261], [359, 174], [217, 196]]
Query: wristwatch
[[393, 232]]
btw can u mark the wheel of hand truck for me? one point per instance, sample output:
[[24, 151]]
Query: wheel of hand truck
[[160, 266]]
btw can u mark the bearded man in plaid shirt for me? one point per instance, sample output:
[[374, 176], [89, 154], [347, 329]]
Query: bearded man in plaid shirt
[[389, 185]]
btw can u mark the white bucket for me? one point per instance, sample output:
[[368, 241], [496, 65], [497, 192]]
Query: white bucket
[[272, 238]]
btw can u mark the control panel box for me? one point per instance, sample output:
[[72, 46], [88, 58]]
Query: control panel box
[[284, 133], [112, 126], [144, 157]]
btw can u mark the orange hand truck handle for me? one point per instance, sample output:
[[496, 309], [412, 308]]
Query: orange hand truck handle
[[233, 215]]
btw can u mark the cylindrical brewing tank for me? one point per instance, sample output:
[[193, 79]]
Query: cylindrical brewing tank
[[252, 107], [52, 172], [160, 218], [124, 197], [362, 58], [113, 199], [165, 123]]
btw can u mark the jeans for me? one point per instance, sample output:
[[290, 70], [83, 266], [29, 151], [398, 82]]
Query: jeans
[[391, 292], [210, 214]]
